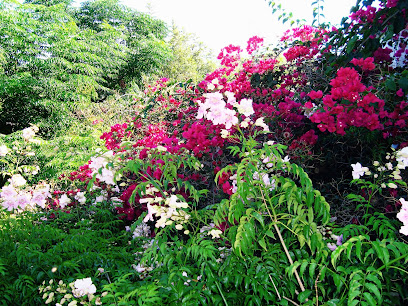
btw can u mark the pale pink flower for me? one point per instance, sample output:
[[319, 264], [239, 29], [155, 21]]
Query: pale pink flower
[[230, 118], [202, 110], [22, 200], [403, 216], [358, 170], [28, 133], [214, 99], [39, 198], [231, 97], [404, 203], [10, 204], [8, 191]]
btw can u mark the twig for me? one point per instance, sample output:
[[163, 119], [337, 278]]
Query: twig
[[294, 303], [316, 281], [276, 289]]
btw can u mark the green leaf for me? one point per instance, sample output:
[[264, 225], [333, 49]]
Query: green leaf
[[390, 84], [304, 295], [351, 44], [373, 289], [403, 83]]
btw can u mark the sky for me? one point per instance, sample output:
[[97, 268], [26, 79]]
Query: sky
[[218, 23]]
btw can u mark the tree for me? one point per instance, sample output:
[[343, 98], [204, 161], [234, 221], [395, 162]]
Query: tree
[[54, 63], [142, 35], [191, 58]]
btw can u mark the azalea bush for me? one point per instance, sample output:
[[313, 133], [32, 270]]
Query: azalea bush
[[278, 179]]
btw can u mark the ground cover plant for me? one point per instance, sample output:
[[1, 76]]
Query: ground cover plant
[[279, 179]]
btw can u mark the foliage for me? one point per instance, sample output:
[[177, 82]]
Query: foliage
[[190, 58], [279, 179], [55, 64]]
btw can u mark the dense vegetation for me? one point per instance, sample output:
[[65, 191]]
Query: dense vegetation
[[279, 178]]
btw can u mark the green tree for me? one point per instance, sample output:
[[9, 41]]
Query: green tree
[[141, 34], [191, 58], [53, 64]]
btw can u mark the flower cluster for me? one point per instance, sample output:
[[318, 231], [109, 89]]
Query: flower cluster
[[79, 292], [14, 198], [170, 212], [253, 44], [214, 109], [403, 216]]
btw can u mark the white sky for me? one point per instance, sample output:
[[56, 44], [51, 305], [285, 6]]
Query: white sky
[[218, 23]]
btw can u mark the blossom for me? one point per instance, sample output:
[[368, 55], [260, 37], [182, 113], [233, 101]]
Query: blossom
[[403, 216], [332, 246], [3, 150], [404, 229], [83, 287], [17, 180], [80, 197], [224, 133], [8, 191], [404, 203], [64, 201], [150, 212], [28, 133], [358, 170], [245, 107], [215, 233], [261, 123], [402, 158]]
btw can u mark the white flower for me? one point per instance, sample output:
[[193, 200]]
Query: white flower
[[3, 150], [358, 170], [83, 287], [17, 180], [402, 158], [404, 203], [392, 185], [404, 229], [231, 98], [80, 197], [244, 124], [150, 212], [261, 123], [245, 107], [224, 133], [161, 149], [64, 201], [215, 233], [28, 133]]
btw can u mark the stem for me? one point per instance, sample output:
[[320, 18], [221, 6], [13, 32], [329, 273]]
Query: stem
[[294, 303], [283, 242], [391, 262], [276, 289], [223, 298]]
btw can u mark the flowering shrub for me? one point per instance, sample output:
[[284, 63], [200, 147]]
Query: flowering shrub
[[234, 191]]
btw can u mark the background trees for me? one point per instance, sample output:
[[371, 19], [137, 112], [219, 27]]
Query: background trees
[[56, 59]]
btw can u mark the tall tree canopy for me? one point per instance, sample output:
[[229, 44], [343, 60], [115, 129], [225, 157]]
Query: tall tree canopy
[[54, 58]]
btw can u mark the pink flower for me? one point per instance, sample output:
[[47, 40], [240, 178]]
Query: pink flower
[[315, 94], [400, 93]]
